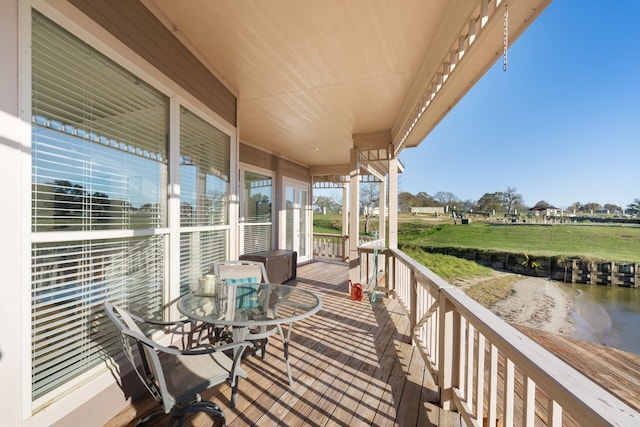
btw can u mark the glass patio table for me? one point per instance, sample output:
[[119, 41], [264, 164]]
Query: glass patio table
[[250, 308]]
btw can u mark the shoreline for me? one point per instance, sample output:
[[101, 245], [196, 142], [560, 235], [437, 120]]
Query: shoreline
[[544, 304]]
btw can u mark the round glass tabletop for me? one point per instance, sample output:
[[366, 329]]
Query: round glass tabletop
[[250, 304]]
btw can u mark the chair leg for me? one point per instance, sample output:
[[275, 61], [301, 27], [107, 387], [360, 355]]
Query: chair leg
[[286, 362], [285, 345], [264, 347], [234, 393], [201, 406], [151, 415]]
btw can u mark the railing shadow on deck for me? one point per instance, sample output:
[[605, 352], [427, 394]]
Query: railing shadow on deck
[[485, 369], [384, 375]]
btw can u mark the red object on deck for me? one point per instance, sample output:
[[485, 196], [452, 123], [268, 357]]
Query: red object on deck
[[356, 291]]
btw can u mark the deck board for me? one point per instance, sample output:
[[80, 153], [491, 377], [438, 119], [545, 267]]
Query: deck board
[[615, 370]]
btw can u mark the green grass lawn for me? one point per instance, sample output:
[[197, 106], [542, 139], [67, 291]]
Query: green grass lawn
[[330, 223], [616, 243], [448, 267], [487, 289], [589, 241]]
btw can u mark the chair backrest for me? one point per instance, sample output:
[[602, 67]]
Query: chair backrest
[[137, 346], [252, 271]]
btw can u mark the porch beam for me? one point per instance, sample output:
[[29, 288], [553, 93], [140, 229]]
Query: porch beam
[[330, 170]]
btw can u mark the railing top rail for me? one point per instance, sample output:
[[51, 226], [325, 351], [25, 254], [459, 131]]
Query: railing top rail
[[586, 401], [337, 235]]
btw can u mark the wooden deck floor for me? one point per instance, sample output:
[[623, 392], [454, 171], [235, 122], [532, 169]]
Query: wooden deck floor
[[352, 366]]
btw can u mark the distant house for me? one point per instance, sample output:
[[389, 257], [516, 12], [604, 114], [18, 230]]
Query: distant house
[[371, 211], [544, 209], [432, 210]]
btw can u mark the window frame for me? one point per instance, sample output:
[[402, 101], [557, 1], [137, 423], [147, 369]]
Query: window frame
[[104, 43]]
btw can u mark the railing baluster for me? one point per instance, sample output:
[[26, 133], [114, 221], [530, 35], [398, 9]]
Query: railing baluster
[[554, 413], [480, 381], [493, 386], [529, 402], [508, 392], [471, 340], [445, 353], [462, 353]]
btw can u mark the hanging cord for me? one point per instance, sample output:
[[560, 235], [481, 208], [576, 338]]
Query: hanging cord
[[373, 285], [506, 37]]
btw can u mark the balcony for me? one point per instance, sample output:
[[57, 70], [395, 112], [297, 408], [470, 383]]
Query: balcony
[[428, 355]]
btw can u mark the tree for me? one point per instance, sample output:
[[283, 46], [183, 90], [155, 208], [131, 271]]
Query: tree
[[510, 200], [612, 208], [633, 208], [576, 207], [100, 206], [326, 204], [369, 201], [423, 199], [446, 198], [68, 199], [406, 200], [591, 207], [489, 202], [467, 205]]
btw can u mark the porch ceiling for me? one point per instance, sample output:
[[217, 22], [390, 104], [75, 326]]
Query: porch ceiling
[[309, 75]]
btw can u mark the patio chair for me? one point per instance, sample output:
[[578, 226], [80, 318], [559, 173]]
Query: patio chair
[[175, 378], [241, 271], [244, 271]]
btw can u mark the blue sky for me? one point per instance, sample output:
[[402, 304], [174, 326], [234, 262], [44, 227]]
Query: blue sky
[[562, 124]]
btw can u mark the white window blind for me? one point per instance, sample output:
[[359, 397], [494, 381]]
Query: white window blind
[[99, 163], [70, 281], [257, 237], [198, 251], [257, 209], [99, 139], [204, 172]]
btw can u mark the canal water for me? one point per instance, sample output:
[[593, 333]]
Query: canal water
[[608, 315]]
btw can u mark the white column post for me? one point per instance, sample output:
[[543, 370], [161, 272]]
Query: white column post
[[393, 203], [345, 223], [354, 217], [382, 211]]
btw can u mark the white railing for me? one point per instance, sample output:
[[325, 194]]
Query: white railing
[[330, 246], [485, 369]]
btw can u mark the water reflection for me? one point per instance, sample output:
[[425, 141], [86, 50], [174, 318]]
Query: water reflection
[[608, 315]]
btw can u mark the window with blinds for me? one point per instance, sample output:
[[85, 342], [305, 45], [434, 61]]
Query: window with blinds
[[99, 139], [257, 211], [198, 251], [99, 166], [70, 281], [204, 172]]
